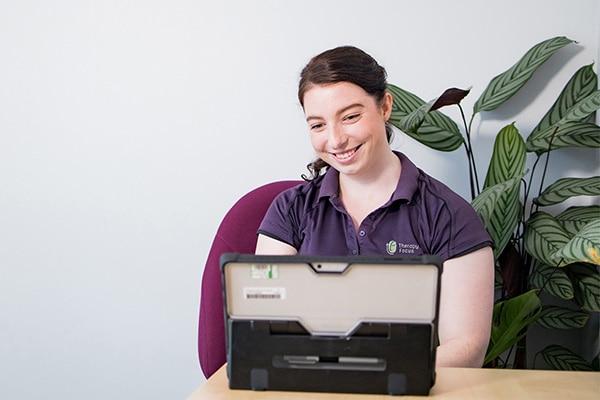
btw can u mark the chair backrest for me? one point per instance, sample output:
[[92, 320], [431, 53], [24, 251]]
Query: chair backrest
[[236, 234]]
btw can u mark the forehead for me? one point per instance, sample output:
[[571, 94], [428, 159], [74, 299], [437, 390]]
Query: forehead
[[335, 96]]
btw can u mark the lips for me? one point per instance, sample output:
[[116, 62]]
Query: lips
[[346, 154]]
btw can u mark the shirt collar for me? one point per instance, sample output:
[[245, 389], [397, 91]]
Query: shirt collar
[[406, 188], [330, 186], [409, 179]]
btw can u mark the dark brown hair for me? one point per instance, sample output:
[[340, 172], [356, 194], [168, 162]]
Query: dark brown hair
[[343, 64]]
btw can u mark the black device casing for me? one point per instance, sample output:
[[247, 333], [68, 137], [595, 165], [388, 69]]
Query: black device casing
[[392, 353]]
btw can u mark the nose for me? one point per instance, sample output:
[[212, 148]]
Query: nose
[[336, 137]]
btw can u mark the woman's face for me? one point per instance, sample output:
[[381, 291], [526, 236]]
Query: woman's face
[[347, 126]]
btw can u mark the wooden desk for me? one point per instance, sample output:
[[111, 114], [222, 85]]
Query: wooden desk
[[451, 383]]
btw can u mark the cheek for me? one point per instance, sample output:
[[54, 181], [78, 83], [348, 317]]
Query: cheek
[[317, 141]]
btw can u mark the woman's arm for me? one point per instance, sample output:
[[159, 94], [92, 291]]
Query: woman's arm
[[466, 306], [267, 245]]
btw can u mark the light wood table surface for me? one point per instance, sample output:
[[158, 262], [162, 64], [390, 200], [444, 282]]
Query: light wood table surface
[[451, 383]]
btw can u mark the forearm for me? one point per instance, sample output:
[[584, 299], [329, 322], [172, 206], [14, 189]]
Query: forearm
[[462, 353], [466, 308]]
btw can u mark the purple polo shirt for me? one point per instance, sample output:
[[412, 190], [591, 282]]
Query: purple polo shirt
[[423, 216]]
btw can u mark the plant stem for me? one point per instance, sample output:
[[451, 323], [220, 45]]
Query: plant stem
[[473, 178]]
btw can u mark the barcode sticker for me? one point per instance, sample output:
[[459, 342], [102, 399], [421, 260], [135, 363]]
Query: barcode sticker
[[264, 271], [267, 293]]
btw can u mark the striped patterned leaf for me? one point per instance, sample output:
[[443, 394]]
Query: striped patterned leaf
[[504, 219], [583, 247], [586, 282], [582, 109], [553, 280], [437, 130], [496, 210], [554, 317], [570, 134], [561, 358], [566, 188], [544, 236], [413, 121], [508, 156], [505, 85], [583, 83], [507, 162], [573, 219], [510, 320]]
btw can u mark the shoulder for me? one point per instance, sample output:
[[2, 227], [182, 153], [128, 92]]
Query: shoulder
[[283, 217], [417, 186], [437, 190], [302, 196], [448, 223]]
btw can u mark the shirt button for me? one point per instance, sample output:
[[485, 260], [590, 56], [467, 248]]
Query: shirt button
[[354, 251], [362, 233]]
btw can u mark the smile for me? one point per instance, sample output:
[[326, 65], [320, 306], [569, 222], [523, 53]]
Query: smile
[[345, 155]]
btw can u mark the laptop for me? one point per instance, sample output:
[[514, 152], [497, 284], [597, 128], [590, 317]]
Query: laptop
[[353, 324]]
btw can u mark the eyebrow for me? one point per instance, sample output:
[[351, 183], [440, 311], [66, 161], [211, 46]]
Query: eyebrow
[[341, 111]]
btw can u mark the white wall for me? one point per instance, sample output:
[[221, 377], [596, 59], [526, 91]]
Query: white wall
[[127, 129]]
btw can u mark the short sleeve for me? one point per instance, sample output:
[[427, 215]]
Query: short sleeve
[[276, 223]]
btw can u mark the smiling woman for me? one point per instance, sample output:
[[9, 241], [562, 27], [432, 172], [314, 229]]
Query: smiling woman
[[347, 127], [364, 198], [335, 66]]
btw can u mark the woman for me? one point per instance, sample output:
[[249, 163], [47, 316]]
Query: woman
[[364, 198]]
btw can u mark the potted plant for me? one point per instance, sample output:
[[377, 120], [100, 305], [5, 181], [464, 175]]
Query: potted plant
[[536, 250]]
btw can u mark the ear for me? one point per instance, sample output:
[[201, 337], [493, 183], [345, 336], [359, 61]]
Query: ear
[[386, 105]]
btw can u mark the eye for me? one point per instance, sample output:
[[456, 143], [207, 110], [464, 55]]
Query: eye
[[316, 126], [352, 117]]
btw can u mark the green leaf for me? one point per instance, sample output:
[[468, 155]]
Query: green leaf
[[570, 134], [504, 219], [583, 83], [544, 236], [510, 320], [505, 85], [414, 120], [583, 247], [498, 208], [573, 219], [508, 156], [582, 109], [561, 358], [555, 317], [507, 162], [437, 130], [485, 202], [552, 280], [577, 132], [566, 188], [586, 282]]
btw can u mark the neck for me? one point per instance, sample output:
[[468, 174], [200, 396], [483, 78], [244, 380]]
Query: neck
[[383, 174], [363, 195]]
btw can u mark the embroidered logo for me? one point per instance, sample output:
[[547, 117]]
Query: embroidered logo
[[391, 247]]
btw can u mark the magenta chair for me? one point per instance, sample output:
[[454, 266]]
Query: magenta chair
[[236, 234]]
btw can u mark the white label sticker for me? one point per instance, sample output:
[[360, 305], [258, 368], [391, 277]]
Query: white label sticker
[[264, 271], [267, 293]]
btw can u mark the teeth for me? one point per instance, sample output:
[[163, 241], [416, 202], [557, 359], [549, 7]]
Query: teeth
[[343, 156]]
